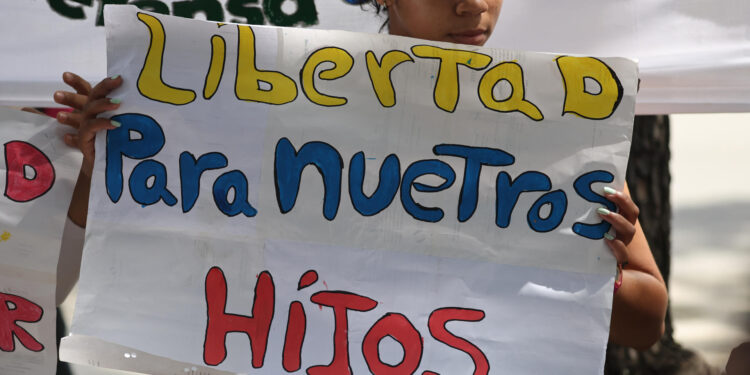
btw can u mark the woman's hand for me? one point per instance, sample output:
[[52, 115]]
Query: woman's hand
[[640, 304], [623, 222], [87, 103]]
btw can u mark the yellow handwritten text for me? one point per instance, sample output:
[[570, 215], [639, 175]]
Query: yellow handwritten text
[[591, 88]]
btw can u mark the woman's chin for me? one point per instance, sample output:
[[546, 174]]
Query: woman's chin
[[476, 40]]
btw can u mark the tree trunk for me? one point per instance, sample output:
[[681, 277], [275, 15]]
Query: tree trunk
[[648, 179]]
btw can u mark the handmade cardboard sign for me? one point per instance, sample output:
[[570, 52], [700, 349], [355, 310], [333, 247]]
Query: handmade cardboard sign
[[36, 177], [285, 200]]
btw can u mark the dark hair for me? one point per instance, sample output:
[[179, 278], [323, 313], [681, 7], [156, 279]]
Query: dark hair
[[374, 3], [377, 6], [362, 3]]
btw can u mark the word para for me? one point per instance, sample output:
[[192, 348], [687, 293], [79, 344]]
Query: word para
[[247, 11], [148, 180], [575, 72], [397, 326]]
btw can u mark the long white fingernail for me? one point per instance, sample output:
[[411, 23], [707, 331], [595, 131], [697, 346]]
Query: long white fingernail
[[603, 211], [115, 123], [609, 236], [114, 77], [609, 191]]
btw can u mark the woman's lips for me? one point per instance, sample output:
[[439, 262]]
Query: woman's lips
[[475, 37]]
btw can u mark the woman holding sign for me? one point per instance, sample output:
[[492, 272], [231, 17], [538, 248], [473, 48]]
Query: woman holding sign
[[640, 299]]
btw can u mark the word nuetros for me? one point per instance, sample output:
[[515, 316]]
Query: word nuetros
[[148, 180]]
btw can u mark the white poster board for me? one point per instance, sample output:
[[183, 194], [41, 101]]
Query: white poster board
[[37, 172], [266, 183]]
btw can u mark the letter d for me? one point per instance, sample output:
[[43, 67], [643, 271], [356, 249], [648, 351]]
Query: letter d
[[19, 186], [579, 100]]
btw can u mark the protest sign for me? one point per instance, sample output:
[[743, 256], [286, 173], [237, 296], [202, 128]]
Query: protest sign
[[691, 54], [36, 177], [281, 199]]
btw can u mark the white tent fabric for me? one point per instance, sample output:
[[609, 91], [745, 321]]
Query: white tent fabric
[[694, 55]]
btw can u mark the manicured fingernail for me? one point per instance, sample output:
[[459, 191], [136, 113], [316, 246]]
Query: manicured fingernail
[[609, 236], [115, 100], [59, 95], [603, 211], [114, 77], [62, 115], [115, 123], [609, 190]]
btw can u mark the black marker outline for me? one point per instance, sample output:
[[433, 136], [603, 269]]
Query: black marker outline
[[224, 312], [377, 189], [255, 68], [161, 62], [447, 183], [14, 336], [335, 66], [377, 345], [544, 220], [458, 72], [212, 67], [379, 65], [236, 194], [510, 185], [512, 91], [565, 87], [161, 196], [36, 173]]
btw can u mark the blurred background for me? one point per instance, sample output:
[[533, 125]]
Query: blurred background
[[709, 283]]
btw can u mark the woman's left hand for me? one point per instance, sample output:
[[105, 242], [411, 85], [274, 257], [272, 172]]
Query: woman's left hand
[[623, 223], [640, 304]]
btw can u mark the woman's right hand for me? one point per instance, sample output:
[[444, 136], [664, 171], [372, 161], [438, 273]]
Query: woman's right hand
[[87, 104]]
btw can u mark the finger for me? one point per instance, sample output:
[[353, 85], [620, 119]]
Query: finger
[[71, 140], [73, 119], [104, 87], [89, 130], [626, 206], [625, 229], [79, 84], [94, 108], [70, 99], [619, 250], [87, 134]]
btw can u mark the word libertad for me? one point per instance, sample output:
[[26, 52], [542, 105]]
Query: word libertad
[[272, 87]]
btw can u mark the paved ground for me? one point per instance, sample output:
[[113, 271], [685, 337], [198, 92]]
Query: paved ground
[[710, 283]]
